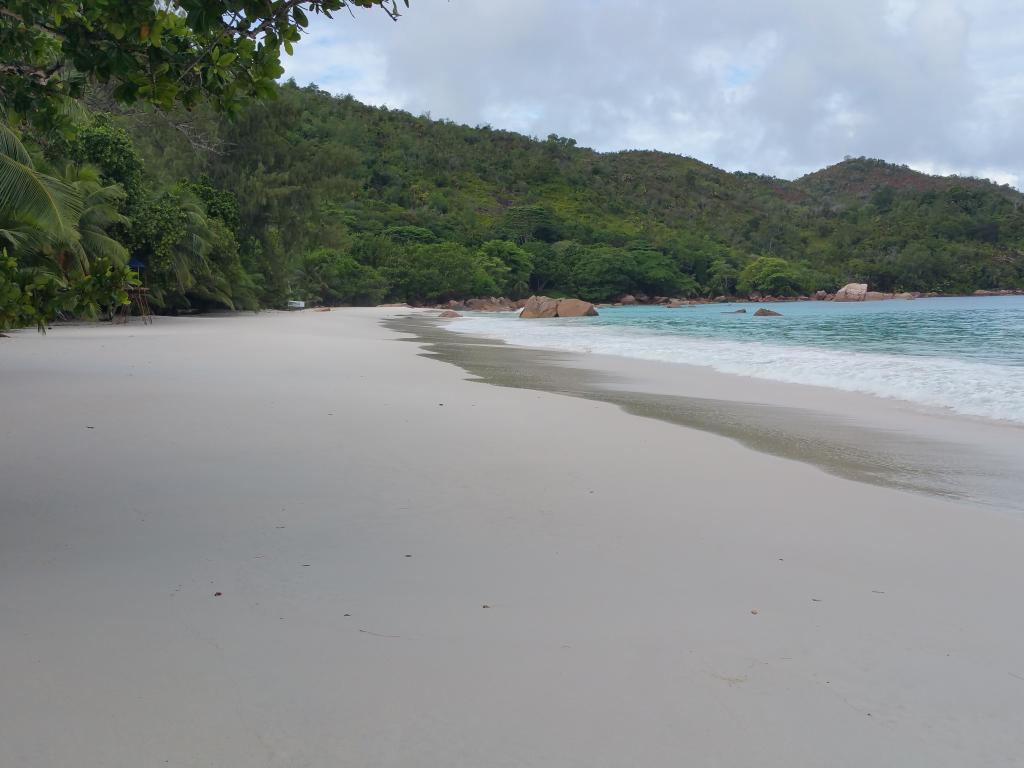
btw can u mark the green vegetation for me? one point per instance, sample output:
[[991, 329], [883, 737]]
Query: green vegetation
[[57, 255], [338, 202], [148, 142], [76, 206]]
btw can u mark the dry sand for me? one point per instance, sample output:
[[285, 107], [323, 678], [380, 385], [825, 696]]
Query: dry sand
[[420, 570]]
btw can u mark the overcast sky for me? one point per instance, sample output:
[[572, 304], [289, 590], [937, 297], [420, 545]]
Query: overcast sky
[[773, 86]]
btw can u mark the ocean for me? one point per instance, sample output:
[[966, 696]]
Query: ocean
[[964, 354]]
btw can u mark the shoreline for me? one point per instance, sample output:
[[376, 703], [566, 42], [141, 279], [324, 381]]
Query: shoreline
[[287, 539], [965, 381], [889, 442]]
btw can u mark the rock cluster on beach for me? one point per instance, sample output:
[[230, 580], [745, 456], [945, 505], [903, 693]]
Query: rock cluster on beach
[[542, 306], [533, 307]]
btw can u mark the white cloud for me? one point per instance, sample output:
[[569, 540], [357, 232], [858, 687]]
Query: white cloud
[[776, 87], [897, 14]]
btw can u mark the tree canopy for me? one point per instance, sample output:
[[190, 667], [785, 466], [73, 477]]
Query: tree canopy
[[168, 53]]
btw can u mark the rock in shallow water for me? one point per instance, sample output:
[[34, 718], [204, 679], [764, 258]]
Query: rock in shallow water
[[539, 307], [575, 308], [542, 307], [852, 292]]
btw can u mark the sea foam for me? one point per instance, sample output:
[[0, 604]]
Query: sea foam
[[970, 387]]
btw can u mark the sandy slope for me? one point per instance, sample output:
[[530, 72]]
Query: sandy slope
[[655, 596]]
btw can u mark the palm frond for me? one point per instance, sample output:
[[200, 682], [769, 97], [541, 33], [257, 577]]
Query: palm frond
[[218, 291], [11, 145], [27, 243], [100, 217], [27, 193], [14, 237], [100, 202], [73, 109], [99, 245]]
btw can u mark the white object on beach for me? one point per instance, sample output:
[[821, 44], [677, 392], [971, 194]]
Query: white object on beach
[[292, 304]]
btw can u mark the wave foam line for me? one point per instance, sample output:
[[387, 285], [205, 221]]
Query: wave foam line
[[969, 388]]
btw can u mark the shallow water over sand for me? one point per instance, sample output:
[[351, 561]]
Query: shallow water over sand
[[962, 354]]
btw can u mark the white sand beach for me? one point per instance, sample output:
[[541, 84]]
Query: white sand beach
[[290, 540]]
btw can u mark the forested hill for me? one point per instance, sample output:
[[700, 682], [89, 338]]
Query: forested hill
[[856, 179], [324, 198]]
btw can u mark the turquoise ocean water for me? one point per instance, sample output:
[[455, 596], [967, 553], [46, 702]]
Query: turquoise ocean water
[[961, 354]]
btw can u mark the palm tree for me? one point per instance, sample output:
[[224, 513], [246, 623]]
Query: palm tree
[[99, 212], [185, 267], [32, 204], [56, 231], [63, 220]]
